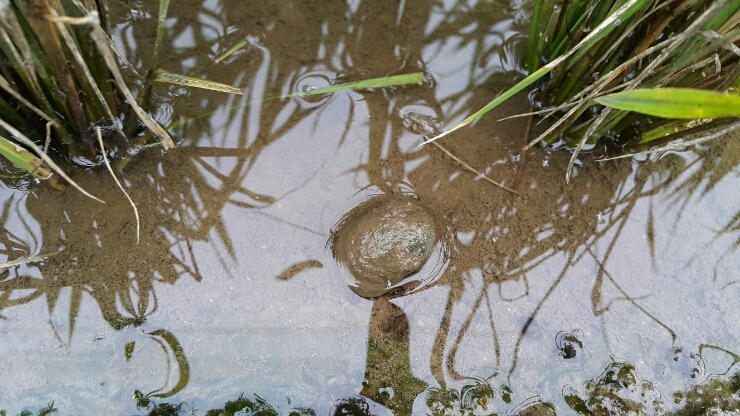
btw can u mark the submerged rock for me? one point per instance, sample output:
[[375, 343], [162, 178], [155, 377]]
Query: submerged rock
[[384, 240]]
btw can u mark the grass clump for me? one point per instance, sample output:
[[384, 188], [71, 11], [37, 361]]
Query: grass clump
[[581, 51], [59, 80]]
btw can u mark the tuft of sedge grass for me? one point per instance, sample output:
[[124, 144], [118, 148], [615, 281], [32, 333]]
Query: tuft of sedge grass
[[60, 79], [604, 28], [55, 82], [602, 47]]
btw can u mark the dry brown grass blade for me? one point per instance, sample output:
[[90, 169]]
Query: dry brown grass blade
[[592, 128], [523, 159], [555, 125], [24, 260], [4, 84], [536, 113], [110, 169], [14, 35], [160, 75], [66, 91], [470, 168]]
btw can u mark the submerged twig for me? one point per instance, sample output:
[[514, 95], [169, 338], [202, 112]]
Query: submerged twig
[[24, 260], [470, 168], [519, 174], [107, 164]]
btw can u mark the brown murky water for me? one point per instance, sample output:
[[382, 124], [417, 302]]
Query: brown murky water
[[619, 288]]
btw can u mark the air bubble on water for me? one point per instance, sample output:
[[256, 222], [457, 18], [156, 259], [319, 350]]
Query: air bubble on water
[[388, 390], [617, 22]]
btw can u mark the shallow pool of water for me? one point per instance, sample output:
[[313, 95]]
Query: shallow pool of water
[[615, 291]]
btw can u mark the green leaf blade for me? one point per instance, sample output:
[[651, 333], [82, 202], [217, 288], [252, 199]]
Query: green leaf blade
[[395, 80], [521, 85], [679, 103], [23, 159]]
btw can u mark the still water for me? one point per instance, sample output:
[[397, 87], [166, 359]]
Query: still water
[[616, 293]]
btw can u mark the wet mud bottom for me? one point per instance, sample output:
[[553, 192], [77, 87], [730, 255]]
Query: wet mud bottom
[[612, 294]]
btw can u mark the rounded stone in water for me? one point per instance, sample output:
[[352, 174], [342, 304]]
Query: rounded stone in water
[[385, 240]]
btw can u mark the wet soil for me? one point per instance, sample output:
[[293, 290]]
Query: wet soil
[[233, 289]]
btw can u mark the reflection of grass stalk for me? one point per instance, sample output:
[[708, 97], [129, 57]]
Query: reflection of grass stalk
[[626, 45]]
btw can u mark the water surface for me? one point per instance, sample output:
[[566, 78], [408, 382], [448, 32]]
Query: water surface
[[542, 296]]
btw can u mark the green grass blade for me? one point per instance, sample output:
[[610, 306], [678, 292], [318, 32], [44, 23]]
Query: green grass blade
[[526, 82], [727, 131], [616, 19], [673, 127], [41, 154], [561, 42], [161, 21], [23, 159], [396, 80], [233, 50], [680, 103], [531, 55]]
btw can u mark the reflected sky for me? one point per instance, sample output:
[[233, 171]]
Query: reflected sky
[[630, 258]]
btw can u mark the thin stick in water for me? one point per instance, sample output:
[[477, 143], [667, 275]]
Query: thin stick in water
[[107, 164], [519, 174], [470, 168], [24, 260]]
